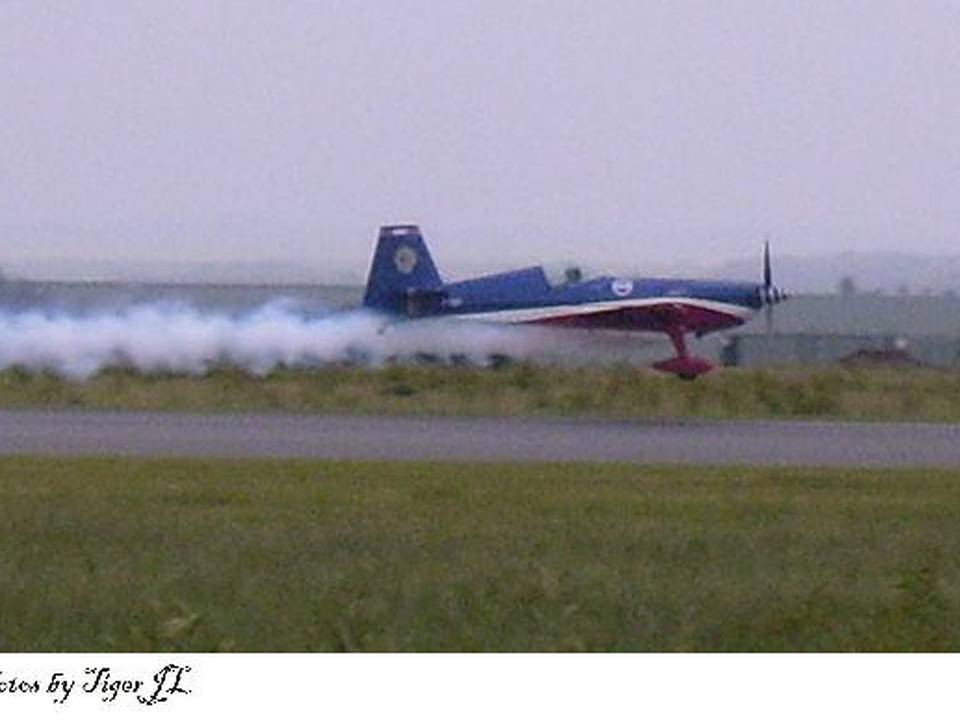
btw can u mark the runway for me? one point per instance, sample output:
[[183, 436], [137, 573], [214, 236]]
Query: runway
[[760, 443]]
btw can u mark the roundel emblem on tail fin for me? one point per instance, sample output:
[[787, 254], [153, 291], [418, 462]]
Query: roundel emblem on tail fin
[[621, 288], [405, 258]]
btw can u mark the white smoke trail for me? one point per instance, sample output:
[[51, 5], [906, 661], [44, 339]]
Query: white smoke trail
[[168, 337]]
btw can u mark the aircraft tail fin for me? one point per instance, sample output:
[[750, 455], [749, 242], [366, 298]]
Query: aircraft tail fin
[[401, 267]]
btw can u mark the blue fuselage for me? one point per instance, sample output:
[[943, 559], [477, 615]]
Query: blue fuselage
[[646, 304]]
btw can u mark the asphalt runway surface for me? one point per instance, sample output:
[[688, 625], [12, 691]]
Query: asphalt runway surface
[[529, 439]]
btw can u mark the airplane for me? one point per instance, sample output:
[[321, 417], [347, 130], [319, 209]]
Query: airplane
[[404, 283]]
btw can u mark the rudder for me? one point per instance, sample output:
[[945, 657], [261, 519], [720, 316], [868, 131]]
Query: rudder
[[401, 267]]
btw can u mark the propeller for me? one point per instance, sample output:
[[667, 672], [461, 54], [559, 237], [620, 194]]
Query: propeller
[[767, 288], [771, 294], [767, 274]]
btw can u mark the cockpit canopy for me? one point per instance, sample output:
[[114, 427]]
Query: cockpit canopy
[[566, 274]]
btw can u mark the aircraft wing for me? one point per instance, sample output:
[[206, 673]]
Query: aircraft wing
[[666, 315]]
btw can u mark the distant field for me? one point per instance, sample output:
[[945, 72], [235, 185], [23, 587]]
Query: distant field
[[118, 555], [517, 389]]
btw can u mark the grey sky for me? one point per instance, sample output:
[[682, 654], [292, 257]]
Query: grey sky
[[623, 132]]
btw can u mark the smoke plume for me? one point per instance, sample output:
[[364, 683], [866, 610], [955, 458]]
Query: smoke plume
[[169, 337]]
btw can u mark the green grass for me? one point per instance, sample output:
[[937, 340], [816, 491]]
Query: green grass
[[520, 389], [177, 555]]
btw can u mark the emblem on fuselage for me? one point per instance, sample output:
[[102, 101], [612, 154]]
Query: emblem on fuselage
[[621, 288], [405, 258]]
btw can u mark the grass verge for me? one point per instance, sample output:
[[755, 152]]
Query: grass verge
[[522, 389], [197, 555]]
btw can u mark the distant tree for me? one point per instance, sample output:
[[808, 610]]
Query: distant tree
[[847, 286]]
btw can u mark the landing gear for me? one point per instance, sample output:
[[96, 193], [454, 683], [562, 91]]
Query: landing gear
[[684, 365]]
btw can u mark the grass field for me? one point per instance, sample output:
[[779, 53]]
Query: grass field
[[520, 389], [138, 555]]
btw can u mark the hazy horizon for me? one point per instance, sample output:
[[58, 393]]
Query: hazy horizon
[[624, 134], [885, 272]]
